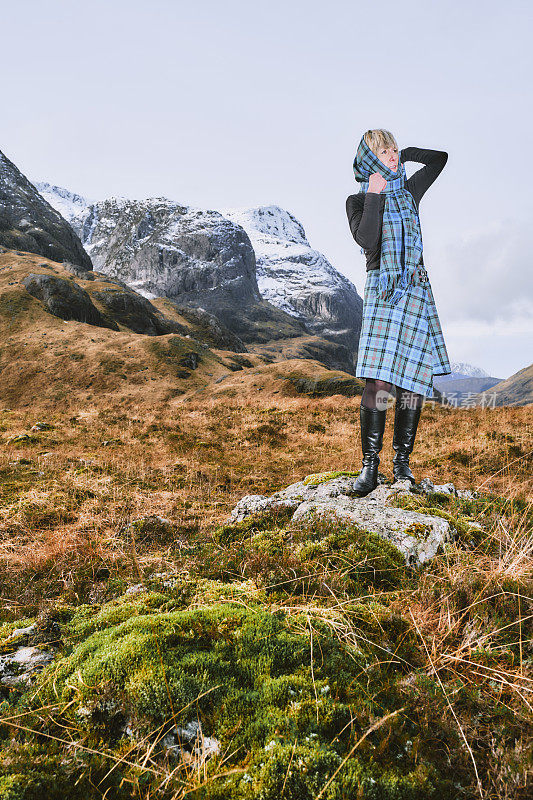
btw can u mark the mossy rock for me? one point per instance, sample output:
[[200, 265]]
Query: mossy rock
[[368, 558], [285, 697], [321, 477], [258, 521], [431, 503], [305, 558]]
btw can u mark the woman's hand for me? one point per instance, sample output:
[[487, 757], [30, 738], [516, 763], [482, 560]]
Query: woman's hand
[[376, 183]]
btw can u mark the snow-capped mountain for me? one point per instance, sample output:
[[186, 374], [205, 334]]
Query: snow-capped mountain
[[464, 380], [164, 249], [69, 204], [216, 259], [460, 369], [293, 276]]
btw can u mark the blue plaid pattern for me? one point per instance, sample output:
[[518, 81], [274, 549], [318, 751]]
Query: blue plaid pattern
[[401, 236], [402, 343]]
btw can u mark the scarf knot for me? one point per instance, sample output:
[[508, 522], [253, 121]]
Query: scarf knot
[[401, 236]]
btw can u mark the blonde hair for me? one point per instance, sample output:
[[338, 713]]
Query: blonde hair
[[378, 137]]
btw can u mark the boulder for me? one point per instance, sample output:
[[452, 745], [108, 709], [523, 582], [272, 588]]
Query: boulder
[[416, 535], [65, 299]]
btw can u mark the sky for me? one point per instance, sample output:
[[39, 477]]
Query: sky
[[238, 104]]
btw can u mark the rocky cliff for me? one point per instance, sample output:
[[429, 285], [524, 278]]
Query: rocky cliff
[[296, 278], [29, 223]]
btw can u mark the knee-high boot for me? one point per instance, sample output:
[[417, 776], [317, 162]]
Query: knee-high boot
[[372, 428], [405, 427]]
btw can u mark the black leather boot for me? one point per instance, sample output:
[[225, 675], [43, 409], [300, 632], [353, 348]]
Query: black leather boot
[[405, 425], [372, 428]]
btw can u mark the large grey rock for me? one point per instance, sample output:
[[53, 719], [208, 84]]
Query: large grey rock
[[29, 223], [416, 535], [65, 299], [162, 248], [135, 312]]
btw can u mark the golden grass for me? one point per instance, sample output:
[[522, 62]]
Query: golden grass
[[117, 451], [93, 472]]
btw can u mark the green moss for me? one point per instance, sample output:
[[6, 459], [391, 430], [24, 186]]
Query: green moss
[[431, 503], [321, 477], [465, 530], [299, 771], [42, 771], [260, 520], [315, 557], [147, 662], [286, 697], [418, 529], [365, 558]]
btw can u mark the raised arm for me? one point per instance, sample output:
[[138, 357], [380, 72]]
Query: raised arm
[[434, 160], [364, 219]]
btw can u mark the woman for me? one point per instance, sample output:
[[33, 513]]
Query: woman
[[401, 340]]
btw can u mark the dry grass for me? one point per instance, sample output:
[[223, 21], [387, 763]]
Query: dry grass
[[116, 451], [69, 492]]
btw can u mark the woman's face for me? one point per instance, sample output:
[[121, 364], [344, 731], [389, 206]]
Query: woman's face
[[389, 156]]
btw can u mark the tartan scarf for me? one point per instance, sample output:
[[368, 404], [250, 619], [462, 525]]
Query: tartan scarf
[[401, 237]]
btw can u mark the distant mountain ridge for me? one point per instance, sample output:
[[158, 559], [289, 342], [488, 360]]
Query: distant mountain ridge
[[460, 369]]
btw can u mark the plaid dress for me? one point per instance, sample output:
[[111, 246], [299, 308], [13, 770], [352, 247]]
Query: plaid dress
[[402, 343]]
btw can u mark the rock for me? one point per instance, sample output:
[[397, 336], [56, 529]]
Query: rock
[[179, 742], [136, 312], [18, 668], [416, 535], [19, 437], [65, 299], [41, 426], [447, 488], [29, 223], [136, 589], [19, 633], [80, 272]]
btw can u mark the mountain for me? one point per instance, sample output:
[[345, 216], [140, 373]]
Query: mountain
[[68, 203], [462, 386], [461, 370], [252, 268], [514, 391], [463, 381], [296, 278], [30, 224]]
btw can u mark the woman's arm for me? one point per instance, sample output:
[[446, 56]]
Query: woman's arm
[[365, 219], [434, 160]]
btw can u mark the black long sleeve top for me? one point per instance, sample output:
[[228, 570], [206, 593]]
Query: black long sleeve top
[[365, 209]]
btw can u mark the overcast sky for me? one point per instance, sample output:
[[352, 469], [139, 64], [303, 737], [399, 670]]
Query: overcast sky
[[242, 104]]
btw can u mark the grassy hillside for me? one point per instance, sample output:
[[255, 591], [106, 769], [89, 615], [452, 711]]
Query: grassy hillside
[[57, 363], [317, 663], [515, 390]]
